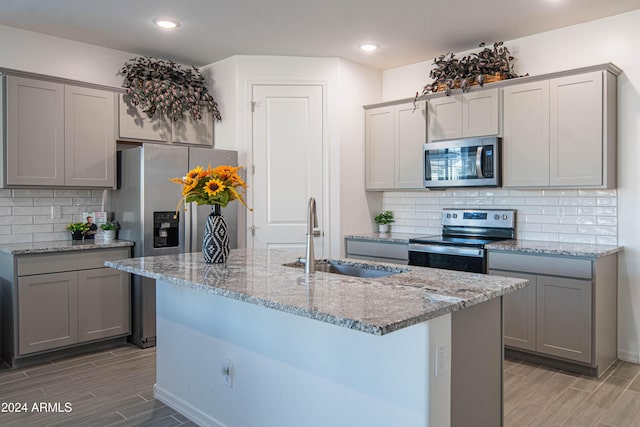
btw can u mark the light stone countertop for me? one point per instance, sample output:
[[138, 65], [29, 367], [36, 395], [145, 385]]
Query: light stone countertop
[[61, 246], [385, 237], [376, 306], [555, 248]]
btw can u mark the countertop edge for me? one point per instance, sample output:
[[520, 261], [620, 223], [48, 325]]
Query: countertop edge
[[62, 246]]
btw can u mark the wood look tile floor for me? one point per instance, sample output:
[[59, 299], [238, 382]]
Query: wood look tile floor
[[107, 388], [536, 396], [115, 388]]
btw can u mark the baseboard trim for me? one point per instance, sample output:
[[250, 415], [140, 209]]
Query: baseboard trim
[[629, 356], [186, 409]]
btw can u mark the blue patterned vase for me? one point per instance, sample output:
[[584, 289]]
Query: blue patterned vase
[[215, 242]]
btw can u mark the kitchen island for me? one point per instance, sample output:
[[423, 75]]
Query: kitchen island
[[254, 342]]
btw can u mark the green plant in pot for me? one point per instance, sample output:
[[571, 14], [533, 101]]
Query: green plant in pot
[[383, 219], [77, 230], [109, 230]]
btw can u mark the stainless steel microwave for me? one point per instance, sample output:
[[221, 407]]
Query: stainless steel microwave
[[469, 162]]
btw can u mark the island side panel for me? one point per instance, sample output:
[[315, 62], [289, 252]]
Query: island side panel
[[288, 370]]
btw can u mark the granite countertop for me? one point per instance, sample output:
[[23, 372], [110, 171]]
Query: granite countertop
[[61, 246], [385, 237], [376, 306], [555, 248]]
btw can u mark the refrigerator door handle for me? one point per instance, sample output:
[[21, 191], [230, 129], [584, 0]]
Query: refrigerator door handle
[[187, 228]]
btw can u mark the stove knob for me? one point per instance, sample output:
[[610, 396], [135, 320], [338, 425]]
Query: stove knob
[[505, 217], [455, 216], [496, 216], [448, 215]]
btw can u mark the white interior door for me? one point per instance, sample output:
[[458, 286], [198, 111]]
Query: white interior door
[[289, 164]]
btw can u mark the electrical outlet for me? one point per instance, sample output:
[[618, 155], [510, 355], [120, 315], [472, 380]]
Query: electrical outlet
[[56, 212], [561, 212], [227, 372], [442, 360]]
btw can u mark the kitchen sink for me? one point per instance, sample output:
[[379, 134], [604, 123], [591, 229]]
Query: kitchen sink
[[353, 269]]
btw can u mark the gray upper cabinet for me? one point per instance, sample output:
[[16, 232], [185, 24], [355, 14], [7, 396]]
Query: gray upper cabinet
[[134, 125], [57, 135], [34, 131], [560, 132], [89, 137], [394, 135], [465, 115]]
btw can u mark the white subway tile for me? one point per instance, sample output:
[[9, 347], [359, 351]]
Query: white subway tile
[[606, 240], [51, 237], [528, 227], [415, 222], [541, 201], [577, 238], [553, 210], [607, 220], [525, 193], [479, 201], [508, 201], [525, 210], [559, 228], [71, 193], [494, 193], [464, 193], [71, 210], [445, 201], [17, 201], [428, 201], [5, 210], [29, 210], [53, 201], [437, 193], [577, 201], [5, 193], [607, 201], [16, 238], [559, 193], [456, 202], [12, 220], [540, 219], [597, 230], [80, 201], [547, 237], [604, 211], [32, 193], [38, 228], [586, 220], [597, 193], [5, 229]]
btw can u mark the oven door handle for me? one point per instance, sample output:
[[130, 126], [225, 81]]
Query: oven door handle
[[479, 161], [446, 250]]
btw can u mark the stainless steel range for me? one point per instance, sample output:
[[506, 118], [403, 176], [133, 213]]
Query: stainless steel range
[[465, 232]]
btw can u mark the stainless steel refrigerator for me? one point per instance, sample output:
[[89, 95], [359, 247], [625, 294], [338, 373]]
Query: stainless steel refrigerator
[[144, 204]]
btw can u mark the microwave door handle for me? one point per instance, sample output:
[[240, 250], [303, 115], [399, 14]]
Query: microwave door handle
[[427, 167], [479, 161]]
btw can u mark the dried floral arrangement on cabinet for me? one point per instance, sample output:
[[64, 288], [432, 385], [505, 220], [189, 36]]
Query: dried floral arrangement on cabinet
[[163, 87], [488, 65]]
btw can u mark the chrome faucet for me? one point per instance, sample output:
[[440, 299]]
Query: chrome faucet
[[312, 222]]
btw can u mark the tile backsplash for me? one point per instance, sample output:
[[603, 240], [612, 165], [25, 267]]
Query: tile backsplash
[[572, 216], [38, 215]]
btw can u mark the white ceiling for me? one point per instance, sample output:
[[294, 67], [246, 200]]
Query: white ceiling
[[407, 31]]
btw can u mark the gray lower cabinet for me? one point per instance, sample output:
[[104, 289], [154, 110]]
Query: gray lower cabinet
[[377, 250], [60, 300], [569, 310], [47, 311]]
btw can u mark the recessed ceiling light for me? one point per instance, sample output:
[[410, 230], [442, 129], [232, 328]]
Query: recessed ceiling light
[[166, 23], [368, 47]]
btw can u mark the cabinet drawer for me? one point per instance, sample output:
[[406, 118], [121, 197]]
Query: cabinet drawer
[[378, 249], [78, 260], [539, 264]]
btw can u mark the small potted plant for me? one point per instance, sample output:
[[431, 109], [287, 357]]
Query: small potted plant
[[109, 230], [77, 230], [383, 220]]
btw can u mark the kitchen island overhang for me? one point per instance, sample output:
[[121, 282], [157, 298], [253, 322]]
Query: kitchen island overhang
[[253, 342]]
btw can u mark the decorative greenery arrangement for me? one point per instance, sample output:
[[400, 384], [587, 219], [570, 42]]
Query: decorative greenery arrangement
[[166, 88], [450, 72], [77, 227], [109, 225], [385, 217], [212, 186]]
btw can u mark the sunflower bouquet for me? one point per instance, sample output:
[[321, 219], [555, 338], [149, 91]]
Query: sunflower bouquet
[[212, 186]]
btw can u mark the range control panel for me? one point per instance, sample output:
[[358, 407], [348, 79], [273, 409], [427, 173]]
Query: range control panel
[[494, 218]]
